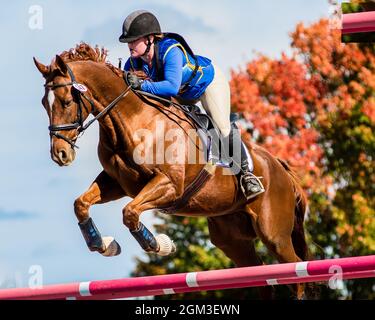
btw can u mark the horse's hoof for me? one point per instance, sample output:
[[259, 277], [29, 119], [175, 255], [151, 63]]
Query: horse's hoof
[[112, 248], [166, 245]]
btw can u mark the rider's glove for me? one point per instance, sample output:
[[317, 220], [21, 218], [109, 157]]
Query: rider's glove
[[134, 81]]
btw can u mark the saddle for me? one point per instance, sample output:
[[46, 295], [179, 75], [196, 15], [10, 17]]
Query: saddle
[[206, 128], [210, 137]]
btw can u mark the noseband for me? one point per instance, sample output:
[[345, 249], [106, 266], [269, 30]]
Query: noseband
[[78, 94]]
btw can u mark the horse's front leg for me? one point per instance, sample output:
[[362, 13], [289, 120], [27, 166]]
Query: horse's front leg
[[157, 193], [102, 190]]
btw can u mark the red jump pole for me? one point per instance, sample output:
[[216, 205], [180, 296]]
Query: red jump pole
[[358, 22], [287, 273]]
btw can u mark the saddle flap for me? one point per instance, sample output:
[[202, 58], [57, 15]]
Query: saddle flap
[[201, 119]]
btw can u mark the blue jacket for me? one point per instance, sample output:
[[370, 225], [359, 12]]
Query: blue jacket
[[177, 66]]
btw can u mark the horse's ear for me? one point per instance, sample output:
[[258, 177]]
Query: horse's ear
[[44, 70], [61, 65]]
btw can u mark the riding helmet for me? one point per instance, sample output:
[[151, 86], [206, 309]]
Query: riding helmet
[[139, 24]]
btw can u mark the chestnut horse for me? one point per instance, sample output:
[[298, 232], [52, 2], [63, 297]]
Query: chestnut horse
[[79, 83]]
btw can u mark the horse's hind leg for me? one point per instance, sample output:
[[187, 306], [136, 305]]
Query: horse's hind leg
[[275, 231], [102, 190], [234, 235]]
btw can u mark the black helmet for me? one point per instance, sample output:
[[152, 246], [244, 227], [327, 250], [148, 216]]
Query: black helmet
[[139, 24]]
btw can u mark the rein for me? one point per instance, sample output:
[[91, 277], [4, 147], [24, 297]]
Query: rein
[[79, 125]]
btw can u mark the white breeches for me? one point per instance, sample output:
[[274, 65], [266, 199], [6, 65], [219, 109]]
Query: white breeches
[[216, 101]]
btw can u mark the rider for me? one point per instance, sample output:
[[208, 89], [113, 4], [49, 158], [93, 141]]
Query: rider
[[176, 72]]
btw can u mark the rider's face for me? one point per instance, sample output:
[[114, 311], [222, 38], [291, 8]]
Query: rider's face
[[138, 47]]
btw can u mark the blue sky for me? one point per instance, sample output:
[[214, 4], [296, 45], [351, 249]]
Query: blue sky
[[37, 223]]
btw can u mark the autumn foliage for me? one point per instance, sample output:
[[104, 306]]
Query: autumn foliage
[[276, 98]]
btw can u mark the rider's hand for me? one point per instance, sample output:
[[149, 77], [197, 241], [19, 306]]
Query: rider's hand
[[134, 81]]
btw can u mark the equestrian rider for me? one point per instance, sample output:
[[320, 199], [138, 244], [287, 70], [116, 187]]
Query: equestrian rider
[[176, 72]]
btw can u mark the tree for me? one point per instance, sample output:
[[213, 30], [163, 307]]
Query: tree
[[345, 118]]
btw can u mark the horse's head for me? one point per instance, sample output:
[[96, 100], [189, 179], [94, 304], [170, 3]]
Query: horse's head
[[66, 111]]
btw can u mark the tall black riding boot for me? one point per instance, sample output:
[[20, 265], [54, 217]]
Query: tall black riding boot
[[250, 184]]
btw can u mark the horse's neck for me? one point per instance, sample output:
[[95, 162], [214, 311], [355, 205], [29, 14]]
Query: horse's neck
[[107, 86]]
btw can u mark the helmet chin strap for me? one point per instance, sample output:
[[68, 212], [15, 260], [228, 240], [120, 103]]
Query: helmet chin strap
[[149, 43]]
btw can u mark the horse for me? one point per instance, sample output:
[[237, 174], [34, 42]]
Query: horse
[[79, 83]]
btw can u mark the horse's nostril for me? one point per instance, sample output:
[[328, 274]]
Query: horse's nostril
[[63, 155]]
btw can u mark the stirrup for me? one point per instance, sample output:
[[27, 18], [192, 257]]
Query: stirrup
[[252, 194], [217, 161], [221, 163]]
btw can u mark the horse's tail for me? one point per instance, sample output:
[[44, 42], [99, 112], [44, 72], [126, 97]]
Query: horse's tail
[[298, 233]]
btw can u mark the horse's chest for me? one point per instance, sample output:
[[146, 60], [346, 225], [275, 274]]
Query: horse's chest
[[117, 167]]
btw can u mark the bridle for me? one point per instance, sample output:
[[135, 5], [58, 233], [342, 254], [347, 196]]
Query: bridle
[[78, 94]]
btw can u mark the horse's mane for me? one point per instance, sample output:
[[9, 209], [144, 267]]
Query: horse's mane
[[84, 52]]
